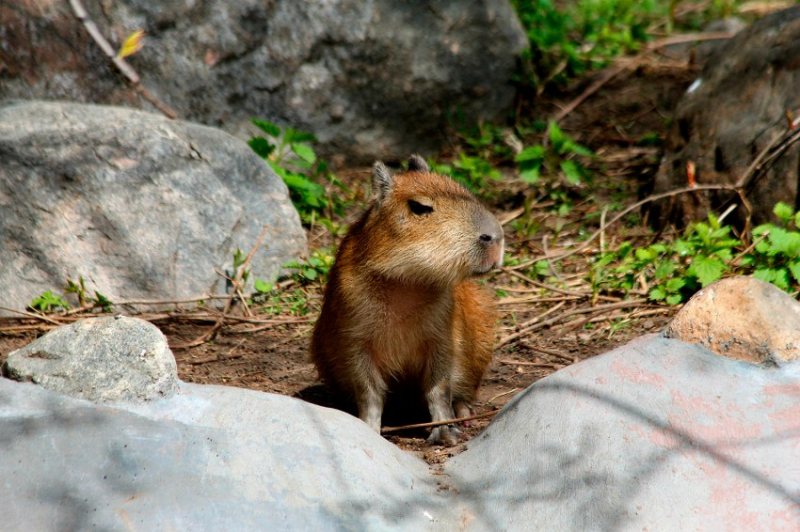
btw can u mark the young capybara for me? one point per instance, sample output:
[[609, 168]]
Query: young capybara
[[401, 304]]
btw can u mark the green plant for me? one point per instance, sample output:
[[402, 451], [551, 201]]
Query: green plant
[[776, 256], [316, 267], [48, 301], [289, 153], [79, 289], [558, 158], [673, 271], [566, 40], [560, 153], [471, 171]]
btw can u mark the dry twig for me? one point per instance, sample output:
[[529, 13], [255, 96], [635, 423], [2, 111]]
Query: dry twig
[[387, 430], [234, 293], [123, 66]]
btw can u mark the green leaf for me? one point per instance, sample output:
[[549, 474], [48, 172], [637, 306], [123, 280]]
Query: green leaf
[[765, 274], [102, 301], [706, 269], [261, 146], [48, 300], [305, 152], [577, 149], [657, 294], [675, 284], [530, 175], [572, 172], [267, 127], [310, 273], [783, 211], [684, 248], [238, 258], [557, 137], [664, 269], [263, 287], [645, 254], [294, 136], [674, 299], [782, 279], [786, 242], [533, 153], [794, 268]]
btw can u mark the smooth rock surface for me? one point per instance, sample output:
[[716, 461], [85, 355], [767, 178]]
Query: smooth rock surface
[[209, 458], [99, 359], [373, 80], [742, 318], [656, 435], [140, 206], [731, 113]]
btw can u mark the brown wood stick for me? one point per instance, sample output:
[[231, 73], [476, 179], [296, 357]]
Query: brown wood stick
[[387, 430], [123, 66]]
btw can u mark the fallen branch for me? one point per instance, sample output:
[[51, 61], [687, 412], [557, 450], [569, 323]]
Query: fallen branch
[[234, 293], [590, 310], [387, 430], [125, 69], [532, 364], [33, 315], [650, 199]]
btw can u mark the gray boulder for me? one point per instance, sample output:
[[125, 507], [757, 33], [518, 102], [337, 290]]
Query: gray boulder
[[138, 205], [371, 79], [209, 458], [735, 109], [99, 359], [656, 435]]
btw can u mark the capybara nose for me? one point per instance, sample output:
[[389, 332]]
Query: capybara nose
[[490, 230], [487, 238]]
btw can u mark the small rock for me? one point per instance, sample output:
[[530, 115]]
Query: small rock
[[741, 318], [99, 359]]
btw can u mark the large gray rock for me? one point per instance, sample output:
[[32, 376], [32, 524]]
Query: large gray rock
[[730, 114], [371, 79], [657, 435], [210, 458], [99, 359], [138, 205], [743, 318]]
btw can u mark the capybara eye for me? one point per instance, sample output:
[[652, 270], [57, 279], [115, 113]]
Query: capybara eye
[[419, 208]]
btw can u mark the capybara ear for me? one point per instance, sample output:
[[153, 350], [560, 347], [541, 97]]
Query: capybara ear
[[417, 164], [382, 182]]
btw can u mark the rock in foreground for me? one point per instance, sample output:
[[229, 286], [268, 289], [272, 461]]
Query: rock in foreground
[[659, 434], [656, 435], [99, 359]]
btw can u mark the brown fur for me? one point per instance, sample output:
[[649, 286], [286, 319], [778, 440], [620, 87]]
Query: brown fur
[[400, 302]]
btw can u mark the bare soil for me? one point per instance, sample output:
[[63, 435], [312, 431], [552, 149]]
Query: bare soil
[[542, 329]]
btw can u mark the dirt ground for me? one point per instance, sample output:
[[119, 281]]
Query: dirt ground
[[541, 330]]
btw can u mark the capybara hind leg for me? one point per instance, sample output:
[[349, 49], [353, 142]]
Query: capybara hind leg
[[370, 405]]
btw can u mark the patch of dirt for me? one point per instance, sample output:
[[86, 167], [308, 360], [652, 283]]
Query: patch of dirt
[[543, 330]]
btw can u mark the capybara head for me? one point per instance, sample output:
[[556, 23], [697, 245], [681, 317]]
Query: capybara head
[[426, 228]]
